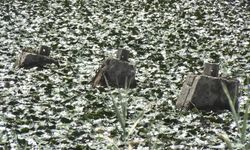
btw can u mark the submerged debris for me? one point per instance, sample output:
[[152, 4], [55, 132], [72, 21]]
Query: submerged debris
[[116, 72], [35, 58], [205, 92]]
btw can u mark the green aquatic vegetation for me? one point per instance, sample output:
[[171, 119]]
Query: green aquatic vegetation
[[121, 114], [241, 124], [56, 108]]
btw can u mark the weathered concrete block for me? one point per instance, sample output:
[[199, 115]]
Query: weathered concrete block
[[116, 73], [211, 69], [44, 50], [122, 55], [206, 92], [31, 58]]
